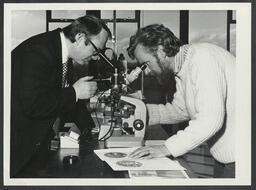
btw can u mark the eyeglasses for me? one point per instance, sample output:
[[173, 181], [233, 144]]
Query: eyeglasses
[[100, 53], [97, 50], [144, 63]]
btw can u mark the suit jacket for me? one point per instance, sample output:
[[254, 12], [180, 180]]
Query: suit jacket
[[37, 98]]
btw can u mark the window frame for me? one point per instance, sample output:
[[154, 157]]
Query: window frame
[[230, 21]]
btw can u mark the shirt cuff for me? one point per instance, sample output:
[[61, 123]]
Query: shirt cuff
[[175, 147], [75, 94]]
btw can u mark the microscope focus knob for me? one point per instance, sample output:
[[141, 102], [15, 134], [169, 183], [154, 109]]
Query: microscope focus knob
[[126, 125], [138, 124]]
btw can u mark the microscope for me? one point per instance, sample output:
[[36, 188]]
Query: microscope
[[124, 117]]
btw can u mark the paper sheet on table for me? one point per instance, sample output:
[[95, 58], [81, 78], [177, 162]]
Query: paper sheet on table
[[117, 159]]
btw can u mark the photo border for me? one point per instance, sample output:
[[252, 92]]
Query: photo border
[[253, 135]]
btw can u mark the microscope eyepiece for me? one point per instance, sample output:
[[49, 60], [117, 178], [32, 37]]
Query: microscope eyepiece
[[144, 66]]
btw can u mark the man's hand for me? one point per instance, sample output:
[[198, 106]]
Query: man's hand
[[148, 152], [85, 88]]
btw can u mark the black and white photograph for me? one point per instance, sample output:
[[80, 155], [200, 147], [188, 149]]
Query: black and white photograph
[[127, 94]]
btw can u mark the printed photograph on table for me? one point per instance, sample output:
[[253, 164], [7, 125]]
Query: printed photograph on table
[[127, 163], [115, 155], [122, 91]]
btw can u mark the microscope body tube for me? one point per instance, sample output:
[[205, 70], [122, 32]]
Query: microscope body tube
[[115, 79], [135, 74]]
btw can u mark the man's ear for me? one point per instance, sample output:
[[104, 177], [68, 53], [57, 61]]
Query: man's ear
[[160, 52], [79, 38]]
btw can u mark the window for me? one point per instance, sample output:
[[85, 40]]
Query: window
[[67, 14], [231, 32], [122, 38], [22, 29], [169, 18], [208, 26], [232, 45], [54, 25], [122, 23], [125, 14]]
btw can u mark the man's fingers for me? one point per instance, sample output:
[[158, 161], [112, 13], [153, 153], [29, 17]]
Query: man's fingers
[[91, 84], [94, 87], [146, 157], [87, 78], [140, 152], [143, 155], [135, 152]]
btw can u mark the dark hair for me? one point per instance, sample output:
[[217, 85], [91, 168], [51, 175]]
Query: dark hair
[[151, 37], [89, 25]]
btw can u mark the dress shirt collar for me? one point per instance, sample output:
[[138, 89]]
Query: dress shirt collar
[[64, 48]]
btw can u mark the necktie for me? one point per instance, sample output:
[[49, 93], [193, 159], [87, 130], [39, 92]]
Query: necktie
[[57, 124], [64, 73]]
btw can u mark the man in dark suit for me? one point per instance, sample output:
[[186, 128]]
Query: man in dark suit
[[41, 91]]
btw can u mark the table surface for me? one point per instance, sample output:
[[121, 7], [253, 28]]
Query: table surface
[[88, 164]]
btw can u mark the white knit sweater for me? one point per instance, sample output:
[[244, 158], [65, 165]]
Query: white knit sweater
[[206, 97]]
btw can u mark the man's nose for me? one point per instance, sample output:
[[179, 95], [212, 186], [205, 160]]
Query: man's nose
[[94, 57]]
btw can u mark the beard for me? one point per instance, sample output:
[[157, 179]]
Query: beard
[[166, 79], [166, 74]]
